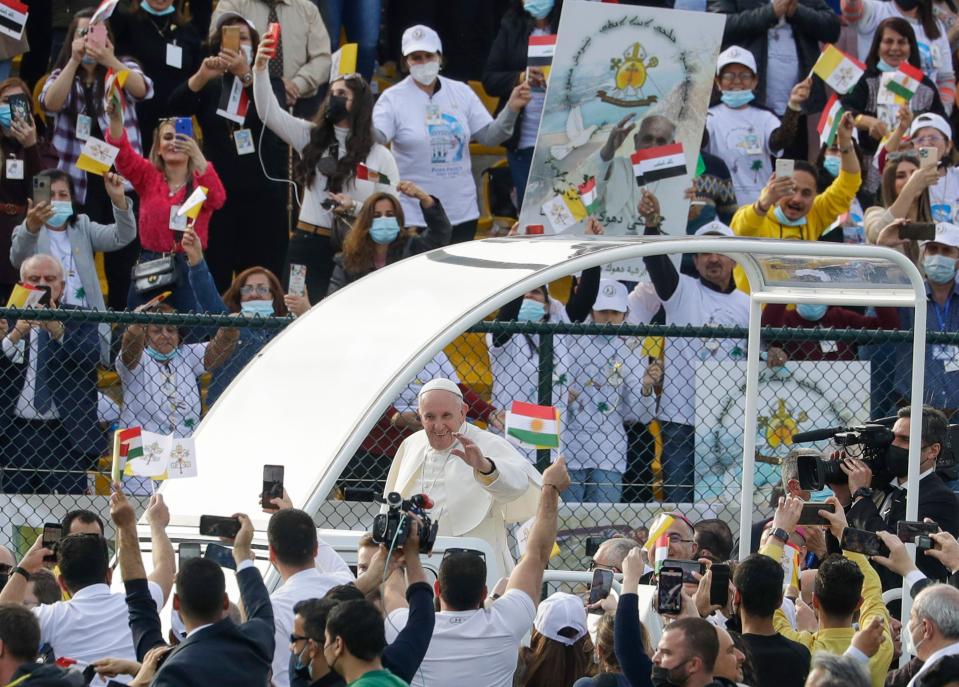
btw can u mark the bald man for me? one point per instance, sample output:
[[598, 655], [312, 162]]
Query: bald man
[[478, 481]]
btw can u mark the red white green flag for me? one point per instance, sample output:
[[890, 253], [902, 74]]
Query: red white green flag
[[533, 425], [829, 121], [905, 81]]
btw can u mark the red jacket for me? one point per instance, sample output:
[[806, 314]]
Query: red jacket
[[836, 317]]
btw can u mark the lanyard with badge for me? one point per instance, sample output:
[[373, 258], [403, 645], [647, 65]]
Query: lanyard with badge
[[943, 352], [84, 120]]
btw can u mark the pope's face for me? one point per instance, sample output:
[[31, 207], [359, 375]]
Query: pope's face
[[442, 413]]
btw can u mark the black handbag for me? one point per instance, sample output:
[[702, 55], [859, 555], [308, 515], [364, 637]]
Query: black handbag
[[154, 274]]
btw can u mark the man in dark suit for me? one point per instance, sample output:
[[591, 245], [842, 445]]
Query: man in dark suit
[[882, 508], [48, 396]]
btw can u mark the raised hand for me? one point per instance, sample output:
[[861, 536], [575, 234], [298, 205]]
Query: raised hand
[[617, 136]]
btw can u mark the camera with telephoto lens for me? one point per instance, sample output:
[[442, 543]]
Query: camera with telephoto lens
[[329, 204], [392, 528], [866, 442]]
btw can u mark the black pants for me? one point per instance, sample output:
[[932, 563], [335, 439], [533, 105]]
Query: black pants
[[463, 232], [316, 253], [640, 452]]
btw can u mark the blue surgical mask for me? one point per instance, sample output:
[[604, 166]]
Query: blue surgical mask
[[263, 308], [161, 357], [86, 59], [62, 210], [145, 6], [785, 221], [736, 99], [531, 311], [538, 9], [884, 66], [384, 229], [6, 116], [812, 311], [939, 269], [831, 165]]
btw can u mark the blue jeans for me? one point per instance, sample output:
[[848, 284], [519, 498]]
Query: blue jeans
[[679, 461], [361, 19], [594, 486], [519, 164]]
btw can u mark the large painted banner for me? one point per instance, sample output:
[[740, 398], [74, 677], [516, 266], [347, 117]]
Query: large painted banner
[[795, 398], [625, 110]]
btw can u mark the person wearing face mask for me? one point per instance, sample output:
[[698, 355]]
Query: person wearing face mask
[[379, 236], [430, 120], [904, 195], [743, 135], [686, 655], [935, 54], [849, 226], [330, 146], [161, 37], [931, 130], [354, 643], [246, 231]]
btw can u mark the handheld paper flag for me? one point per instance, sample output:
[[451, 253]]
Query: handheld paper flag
[[533, 425], [656, 164], [522, 538], [234, 102], [540, 54], [24, 296], [660, 525], [191, 206], [589, 196], [662, 551], [13, 18], [104, 11], [365, 173], [154, 452], [127, 445], [829, 121], [905, 81], [343, 61], [838, 69], [97, 156], [114, 83], [182, 461]]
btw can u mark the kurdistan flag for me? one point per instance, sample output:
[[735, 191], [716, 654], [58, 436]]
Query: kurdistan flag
[[533, 425], [829, 122], [905, 81], [589, 196]]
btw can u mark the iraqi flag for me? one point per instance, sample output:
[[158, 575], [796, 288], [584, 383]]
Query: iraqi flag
[[589, 196], [656, 164], [13, 17], [533, 425], [540, 53], [829, 121], [838, 69], [905, 81], [234, 102]]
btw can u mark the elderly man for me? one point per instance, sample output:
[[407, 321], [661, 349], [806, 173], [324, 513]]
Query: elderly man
[[478, 482], [48, 401]]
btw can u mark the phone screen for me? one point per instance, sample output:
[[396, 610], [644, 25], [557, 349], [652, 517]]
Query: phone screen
[[187, 551], [218, 526], [669, 591], [297, 280], [810, 513], [45, 298], [688, 568], [602, 584], [19, 107], [52, 531], [864, 542], [719, 588], [221, 555], [907, 530], [272, 485]]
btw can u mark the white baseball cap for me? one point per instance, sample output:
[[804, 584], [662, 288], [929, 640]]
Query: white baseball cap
[[612, 296], [931, 119], [736, 55], [440, 383], [714, 228], [558, 612], [946, 234], [230, 14], [421, 38]]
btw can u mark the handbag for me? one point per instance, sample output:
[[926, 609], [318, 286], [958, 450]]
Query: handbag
[[154, 274]]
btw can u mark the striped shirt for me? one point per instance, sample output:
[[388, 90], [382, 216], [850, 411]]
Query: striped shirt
[[65, 139]]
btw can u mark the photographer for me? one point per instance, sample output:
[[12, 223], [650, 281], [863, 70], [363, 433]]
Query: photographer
[[881, 508]]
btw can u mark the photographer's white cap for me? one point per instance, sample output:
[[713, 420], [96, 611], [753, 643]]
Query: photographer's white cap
[[736, 55], [715, 228], [946, 234], [440, 383], [421, 38], [558, 612], [612, 296], [931, 119]]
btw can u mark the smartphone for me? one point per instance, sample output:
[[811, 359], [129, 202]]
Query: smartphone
[[719, 588], [52, 532], [669, 590], [688, 568], [41, 190], [184, 125], [97, 34], [19, 107], [46, 297], [273, 31], [186, 551], [221, 555], [272, 485], [592, 545], [928, 157], [230, 39], [219, 526], [864, 542], [919, 231], [908, 530], [600, 588], [297, 280], [785, 168], [810, 513]]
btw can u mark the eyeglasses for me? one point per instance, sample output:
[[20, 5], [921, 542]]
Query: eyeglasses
[[676, 538], [258, 289], [593, 565], [474, 552], [736, 77], [929, 138], [5, 568]]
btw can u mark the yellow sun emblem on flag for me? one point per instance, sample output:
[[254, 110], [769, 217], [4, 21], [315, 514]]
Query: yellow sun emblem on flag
[[537, 425], [781, 426]]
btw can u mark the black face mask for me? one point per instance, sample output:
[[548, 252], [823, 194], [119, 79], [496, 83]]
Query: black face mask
[[336, 109], [662, 677], [897, 460]]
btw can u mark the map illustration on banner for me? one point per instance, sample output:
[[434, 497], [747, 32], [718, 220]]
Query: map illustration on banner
[[625, 111]]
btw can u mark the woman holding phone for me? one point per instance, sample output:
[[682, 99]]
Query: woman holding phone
[[330, 148], [164, 182]]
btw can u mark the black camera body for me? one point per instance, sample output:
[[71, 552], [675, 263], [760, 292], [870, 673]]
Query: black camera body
[[392, 528], [873, 439]]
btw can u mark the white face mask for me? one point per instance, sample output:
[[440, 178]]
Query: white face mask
[[426, 72], [248, 51], [910, 646]]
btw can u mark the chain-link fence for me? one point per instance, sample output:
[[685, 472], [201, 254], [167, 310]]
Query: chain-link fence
[[650, 415]]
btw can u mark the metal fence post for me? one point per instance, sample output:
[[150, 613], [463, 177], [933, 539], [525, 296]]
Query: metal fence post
[[545, 391]]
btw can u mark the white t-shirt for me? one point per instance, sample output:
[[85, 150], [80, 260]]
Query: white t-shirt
[[439, 366], [782, 66], [741, 139], [935, 56], [472, 648], [944, 197], [93, 624], [430, 137], [163, 397], [73, 292]]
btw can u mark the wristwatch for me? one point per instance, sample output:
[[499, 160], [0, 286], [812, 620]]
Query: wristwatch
[[247, 78], [780, 534], [865, 492], [22, 571]]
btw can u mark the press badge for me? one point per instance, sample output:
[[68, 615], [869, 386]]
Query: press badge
[[177, 222], [14, 168], [243, 139], [433, 114], [174, 56], [84, 126], [828, 346]]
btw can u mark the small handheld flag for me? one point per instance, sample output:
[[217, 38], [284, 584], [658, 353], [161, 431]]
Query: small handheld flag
[[838, 70], [191, 206], [829, 121], [97, 156], [24, 296], [589, 196], [540, 54], [234, 102], [905, 81], [343, 61], [533, 425], [366, 174], [13, 18], [104, 10], [656, 164], [660, 526]]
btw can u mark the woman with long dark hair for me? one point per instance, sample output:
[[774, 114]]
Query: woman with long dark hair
[[560, 650], [330, 147]]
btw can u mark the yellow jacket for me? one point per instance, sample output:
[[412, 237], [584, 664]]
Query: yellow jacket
[[837, 640]]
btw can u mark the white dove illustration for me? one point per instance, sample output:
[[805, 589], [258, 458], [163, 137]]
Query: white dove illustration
[[576, 134]]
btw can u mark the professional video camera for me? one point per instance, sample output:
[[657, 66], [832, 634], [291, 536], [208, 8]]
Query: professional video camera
[[392, 527]]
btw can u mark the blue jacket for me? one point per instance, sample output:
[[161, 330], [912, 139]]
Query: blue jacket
[[74, 377], [940, 388]]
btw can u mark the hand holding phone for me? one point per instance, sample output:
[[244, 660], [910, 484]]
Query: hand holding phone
[[669, 591], [918, 231], [52, 533], [600, 588], [785, 168], [230, 38], [272, 486], [719, 584], [219, 526], [864, 542], [810, 513]]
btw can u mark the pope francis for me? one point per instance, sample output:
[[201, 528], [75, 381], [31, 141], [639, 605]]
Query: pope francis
[[478, 482]]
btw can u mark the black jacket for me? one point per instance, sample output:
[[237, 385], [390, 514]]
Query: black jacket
[[47, 675], [900, 677], [748, 23], [936, 501]]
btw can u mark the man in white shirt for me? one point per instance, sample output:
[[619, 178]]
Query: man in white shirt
[[93, 624], [473, 646], [293, 552]]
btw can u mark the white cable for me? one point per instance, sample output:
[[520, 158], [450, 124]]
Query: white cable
[[259, 144]]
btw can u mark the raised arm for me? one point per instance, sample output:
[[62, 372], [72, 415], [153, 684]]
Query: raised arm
[[221, 347], [164, 563], [291, 130], [627, 628]]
